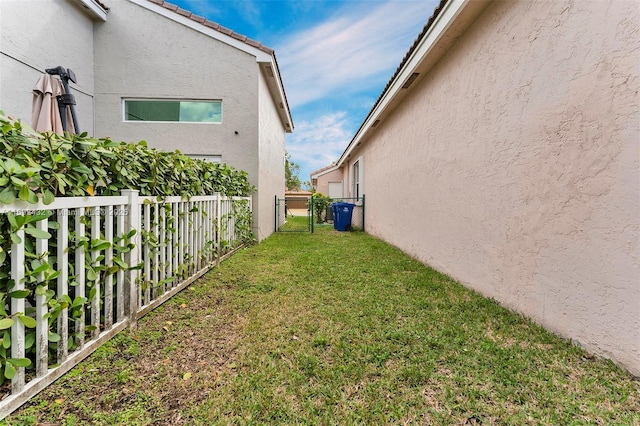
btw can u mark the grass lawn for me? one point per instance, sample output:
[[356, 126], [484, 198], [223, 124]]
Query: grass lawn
[[335, 328]]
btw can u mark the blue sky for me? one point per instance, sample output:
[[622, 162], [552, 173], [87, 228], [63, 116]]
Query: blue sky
[[335, 58]]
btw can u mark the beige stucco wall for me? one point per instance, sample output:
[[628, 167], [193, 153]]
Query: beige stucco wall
[[271, 165], [516, 163], [322, 185], [35, 35]]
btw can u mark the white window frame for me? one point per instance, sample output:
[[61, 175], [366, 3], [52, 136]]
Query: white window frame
[[124, 110], [357, 178]]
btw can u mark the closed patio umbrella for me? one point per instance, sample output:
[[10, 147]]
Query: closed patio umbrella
[[53, 104], [45, 115]]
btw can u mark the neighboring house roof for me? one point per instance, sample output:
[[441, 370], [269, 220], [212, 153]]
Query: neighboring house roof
[[449, 19], [265, 56], [211, 24], [324, 170]]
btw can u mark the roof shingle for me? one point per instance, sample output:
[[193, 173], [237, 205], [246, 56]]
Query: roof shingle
[[213, 25]]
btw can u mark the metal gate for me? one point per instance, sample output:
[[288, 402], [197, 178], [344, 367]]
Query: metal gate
[[292, 216]]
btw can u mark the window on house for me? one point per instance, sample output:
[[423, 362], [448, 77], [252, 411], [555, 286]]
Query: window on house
[[166, 110], [356, 179]]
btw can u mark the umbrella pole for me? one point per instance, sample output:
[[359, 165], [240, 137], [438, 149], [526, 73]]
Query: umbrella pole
[[66, 100]]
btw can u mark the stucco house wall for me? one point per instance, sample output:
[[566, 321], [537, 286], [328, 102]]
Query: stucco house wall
[[161, 59], [145, 55], [323, 178], [516, 160], [36, 35], [272, 157]]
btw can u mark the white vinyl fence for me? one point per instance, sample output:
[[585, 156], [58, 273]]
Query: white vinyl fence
[[84, 268]]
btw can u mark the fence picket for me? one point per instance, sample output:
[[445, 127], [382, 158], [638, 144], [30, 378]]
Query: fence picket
[[63, 283], [108, 262], [80, 258], [175, 258], [190, 237], [120, 273], [156, 252], [95, 262], [132, 225], [146, 291], [42, 324], [182, 219], [163, 249]]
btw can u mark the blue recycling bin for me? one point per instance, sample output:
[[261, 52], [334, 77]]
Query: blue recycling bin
[[342, 215]]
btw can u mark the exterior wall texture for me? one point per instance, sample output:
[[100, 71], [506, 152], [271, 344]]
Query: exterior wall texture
[[144, 55], [323, 181], [516, 161], [271, 152], [36, 35]]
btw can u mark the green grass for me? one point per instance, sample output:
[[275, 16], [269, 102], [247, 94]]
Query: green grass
[[295, 224], [335, 328]]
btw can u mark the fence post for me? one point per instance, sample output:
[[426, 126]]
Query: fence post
[[313, 213], [132, 222]]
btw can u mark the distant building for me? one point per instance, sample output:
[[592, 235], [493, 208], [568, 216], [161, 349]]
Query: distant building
[[329, 181]]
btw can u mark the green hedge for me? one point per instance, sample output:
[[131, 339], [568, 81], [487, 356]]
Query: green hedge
[[35, 164]]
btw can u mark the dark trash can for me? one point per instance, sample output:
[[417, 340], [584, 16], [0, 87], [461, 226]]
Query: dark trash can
[[342, 215], [328, 216]]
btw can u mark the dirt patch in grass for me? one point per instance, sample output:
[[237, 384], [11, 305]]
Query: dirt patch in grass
[[177, 357]]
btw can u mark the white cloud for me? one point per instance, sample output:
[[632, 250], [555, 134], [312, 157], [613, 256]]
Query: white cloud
[[318, 143], [345, 53]]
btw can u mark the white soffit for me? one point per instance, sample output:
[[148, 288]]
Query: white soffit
[[94, 9], [274, 84]]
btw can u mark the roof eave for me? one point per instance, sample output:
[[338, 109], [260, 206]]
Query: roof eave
[[205, 26], [324, 171], [271, 72], [450, 20]]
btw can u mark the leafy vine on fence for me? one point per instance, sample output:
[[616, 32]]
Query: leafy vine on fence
[[42, 166]]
